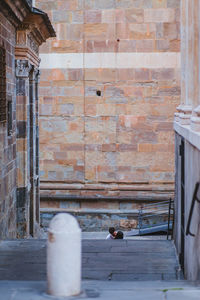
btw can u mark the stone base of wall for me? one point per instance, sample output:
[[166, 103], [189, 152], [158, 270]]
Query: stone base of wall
[[98, 209], [96, 220], [101, 220]]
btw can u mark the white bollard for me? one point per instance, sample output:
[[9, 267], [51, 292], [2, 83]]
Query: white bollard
[[64, 256]]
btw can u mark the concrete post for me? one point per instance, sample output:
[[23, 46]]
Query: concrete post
[[64, 256]]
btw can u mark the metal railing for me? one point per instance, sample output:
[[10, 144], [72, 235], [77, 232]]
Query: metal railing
[[155, 217], [195, 198]]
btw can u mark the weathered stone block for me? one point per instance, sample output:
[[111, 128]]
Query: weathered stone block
[[173, 3], [93, 16], [171, 31], [159, 15], [128, 224], [98, 31], [70, 5], [142, 31], [77, 17], [175, 46], [145, 45], [134, 15], [108, 16], [163, 45], [69, 46], [104, 4], [159, 3], [62, 16]]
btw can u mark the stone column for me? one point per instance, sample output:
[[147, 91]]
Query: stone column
[[37, 78], [33, 180], [184, 109], [23, 68], [183, 59], [195, 119], [195, 68]]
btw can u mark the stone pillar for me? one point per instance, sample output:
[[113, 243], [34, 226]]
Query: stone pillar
[[34, 152], [195, 67], [195, 119], [183, 59], [185, 108], [190, 53], [23, 68], [37, 171], [33, 180]]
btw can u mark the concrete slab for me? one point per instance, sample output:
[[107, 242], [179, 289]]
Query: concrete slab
[[183, 295]]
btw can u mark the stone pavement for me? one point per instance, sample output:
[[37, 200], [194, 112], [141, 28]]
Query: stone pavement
[[104, 290], [129, 269]]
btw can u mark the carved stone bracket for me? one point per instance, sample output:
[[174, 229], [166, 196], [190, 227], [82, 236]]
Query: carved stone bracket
[[34, 72], [23, 26], [22, 68], [34, 46], [27, 36]]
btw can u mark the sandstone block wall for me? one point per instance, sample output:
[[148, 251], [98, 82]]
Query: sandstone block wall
[[108, 91], [8, 142]]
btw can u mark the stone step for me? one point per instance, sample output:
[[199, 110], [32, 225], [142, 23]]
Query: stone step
[[101, 260]]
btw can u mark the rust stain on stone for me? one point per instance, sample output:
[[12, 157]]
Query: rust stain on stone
[[51, 237]]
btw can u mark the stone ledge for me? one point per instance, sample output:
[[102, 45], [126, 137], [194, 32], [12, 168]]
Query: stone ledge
[[75, 198], [153, 187], [90, 211], [188, 134]]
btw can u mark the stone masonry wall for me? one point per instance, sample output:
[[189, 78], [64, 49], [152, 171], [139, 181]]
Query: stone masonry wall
[[108, 91], [190, 256], [8, 142]]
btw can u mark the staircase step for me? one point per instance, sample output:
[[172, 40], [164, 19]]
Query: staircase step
[[101, 260]]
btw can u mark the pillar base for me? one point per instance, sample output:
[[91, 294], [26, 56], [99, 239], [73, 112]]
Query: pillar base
[[195, 123], [184, 114], [184, 119], [176, 117], [195, 119]]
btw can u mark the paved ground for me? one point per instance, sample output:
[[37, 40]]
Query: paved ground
[[101, 260], [130, 269], [104, 290]]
